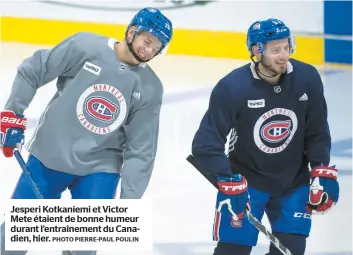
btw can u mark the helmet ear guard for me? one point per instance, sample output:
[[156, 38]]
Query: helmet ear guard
[[163, 50], [292, 44]]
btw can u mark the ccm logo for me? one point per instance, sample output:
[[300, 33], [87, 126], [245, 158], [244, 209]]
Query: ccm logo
[[256, 103], [92, 68], [302, 215], [13, 121]]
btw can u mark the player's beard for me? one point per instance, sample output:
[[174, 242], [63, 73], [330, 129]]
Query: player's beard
[[273, 71]]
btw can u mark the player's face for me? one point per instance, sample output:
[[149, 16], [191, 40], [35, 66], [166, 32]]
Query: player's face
[[276, 55], [146, 46]]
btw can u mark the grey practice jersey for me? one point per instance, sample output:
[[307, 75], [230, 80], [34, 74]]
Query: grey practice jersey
[[104, 115]]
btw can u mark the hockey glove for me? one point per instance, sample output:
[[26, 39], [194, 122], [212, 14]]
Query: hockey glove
[[324, 189], [233, 192], [12, 127]]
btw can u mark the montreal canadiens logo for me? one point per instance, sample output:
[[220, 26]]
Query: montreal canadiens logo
[[275, 129], [101, 108], [236, 223]]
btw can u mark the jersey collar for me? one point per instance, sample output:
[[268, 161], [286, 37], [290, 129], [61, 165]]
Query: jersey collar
[[254, 74], [111, 44]]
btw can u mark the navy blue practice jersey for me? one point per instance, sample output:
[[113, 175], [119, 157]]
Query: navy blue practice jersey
[[275, 131]]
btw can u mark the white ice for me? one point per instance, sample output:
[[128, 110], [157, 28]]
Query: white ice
[[183, 201]]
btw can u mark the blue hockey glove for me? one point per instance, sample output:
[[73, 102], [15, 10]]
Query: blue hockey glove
[[233, 192], [324, 189], [12, 127], [232, 200]]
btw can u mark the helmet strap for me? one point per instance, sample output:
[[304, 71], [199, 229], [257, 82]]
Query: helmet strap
[[129, 45], [257, 69], [261, 52]]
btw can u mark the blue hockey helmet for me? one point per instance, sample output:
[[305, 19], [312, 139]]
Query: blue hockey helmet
[[153, 21], [263, 31]]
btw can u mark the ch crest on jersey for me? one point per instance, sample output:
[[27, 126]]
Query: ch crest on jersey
[[101, 108], [274, 130], [236, 223]]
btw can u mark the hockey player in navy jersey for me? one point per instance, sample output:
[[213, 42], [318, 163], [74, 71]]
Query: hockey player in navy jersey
[[279, 147], [102, 125]]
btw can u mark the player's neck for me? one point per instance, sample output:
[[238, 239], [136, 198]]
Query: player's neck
[[123, 54], [267, 75]]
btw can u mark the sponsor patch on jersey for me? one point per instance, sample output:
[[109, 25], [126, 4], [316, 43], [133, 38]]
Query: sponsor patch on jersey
[[256, 103], [88, 66], [101, 108], [274, 130]]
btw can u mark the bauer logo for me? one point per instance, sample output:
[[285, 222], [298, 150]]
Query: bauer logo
[[92, 68], [256, 103]]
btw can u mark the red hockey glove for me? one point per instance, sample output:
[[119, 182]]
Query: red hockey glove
[[12, 127], [324, 189]]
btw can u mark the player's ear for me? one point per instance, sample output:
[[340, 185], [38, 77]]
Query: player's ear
[[255, 49], [130, 33]]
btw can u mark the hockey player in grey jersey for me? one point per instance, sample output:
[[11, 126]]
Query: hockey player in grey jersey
[[102, 123]]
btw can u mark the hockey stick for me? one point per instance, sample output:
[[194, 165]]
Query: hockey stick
[[250, 217], [22, 164]]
